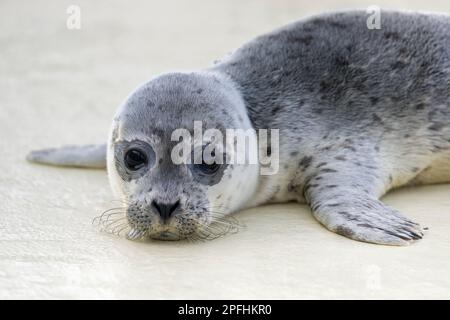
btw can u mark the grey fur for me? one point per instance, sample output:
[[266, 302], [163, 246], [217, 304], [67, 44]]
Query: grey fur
[[360, 111]]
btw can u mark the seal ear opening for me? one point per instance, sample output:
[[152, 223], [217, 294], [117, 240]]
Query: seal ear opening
[[85, 156]]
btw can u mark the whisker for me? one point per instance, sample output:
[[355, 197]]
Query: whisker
[[126, 227], [105, 213], [118, 228], [113, 223], [114, 215]]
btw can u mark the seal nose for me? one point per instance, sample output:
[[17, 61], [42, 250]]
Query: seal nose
[[165, 210]]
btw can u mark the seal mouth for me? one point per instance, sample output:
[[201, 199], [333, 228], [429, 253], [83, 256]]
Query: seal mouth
[[117, 224]]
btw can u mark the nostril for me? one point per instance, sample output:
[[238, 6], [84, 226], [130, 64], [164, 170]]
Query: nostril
[[174, 206], [156, 206], [165, 210]]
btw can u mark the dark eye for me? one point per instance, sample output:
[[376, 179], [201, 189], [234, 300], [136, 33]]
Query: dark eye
[[208, 168], [135, 159]]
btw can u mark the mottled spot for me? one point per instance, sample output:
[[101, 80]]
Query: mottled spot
[[342, 62], [321, 164], [275, 110], [350, 148], [344, 231], [437, 126], [341, 158], [395, 99], [291, 186], [398, 64], [420, 106], [392, 35], [365, 225], [374, 100], [324, 86], [325, 23], [306, 40], [376, 118], [317, 111], [305, 162], [328, 170], [338, 24], [437, 148], [294, 153]]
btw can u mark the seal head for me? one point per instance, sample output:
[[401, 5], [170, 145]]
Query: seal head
[[167, 199]]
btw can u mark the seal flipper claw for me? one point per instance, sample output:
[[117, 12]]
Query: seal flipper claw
[[85, 156]]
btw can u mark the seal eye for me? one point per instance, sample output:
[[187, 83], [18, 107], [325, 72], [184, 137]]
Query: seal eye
[[135, 159], [208, 168]]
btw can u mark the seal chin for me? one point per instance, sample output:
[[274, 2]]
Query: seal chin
[[165, 236]]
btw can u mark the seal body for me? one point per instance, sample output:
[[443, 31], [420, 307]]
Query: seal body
[[359, 111], [333, 86]]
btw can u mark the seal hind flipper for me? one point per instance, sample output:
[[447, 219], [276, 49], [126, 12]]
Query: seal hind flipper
[[84, 156]]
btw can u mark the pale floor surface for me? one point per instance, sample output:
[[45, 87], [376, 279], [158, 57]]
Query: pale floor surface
[[59, 87]]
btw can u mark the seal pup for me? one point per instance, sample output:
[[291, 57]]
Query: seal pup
[[360, 112]]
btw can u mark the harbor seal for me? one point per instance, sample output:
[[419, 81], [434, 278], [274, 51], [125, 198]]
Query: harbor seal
[[359, 112]]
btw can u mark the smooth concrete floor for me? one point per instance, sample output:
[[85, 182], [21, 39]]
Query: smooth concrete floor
[[60, 86]]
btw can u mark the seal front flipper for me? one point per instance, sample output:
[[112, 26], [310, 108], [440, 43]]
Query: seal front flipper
[[342, 201], [85, 156]]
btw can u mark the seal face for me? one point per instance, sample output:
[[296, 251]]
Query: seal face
[[166, 200]]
